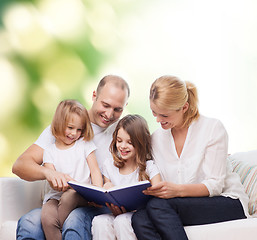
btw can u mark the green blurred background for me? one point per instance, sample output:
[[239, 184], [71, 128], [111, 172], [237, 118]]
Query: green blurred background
[[56, 49]]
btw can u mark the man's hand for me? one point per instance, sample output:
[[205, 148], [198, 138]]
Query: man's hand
[[58, 181]]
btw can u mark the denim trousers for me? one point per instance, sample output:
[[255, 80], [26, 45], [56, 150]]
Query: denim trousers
[[77, 226], [165, 218]]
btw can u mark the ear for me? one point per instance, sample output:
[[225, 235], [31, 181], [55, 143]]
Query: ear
[[185, 107], [94, 96]]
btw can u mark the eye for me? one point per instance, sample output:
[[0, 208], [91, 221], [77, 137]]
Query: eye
[[118, 109]]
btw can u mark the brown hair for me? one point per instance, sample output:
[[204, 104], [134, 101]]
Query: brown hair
[[137, 128], [170, 93], [61, 117], [116, 80]]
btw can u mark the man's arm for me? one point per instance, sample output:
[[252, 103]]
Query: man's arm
[[28, 167]]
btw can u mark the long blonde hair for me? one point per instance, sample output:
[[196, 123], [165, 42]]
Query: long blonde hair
[[137, 128], [61, 117], [170, 93]]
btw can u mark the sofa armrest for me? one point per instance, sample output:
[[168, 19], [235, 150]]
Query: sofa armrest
[[18, 197]]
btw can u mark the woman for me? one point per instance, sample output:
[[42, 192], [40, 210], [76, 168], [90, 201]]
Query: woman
[[190, 151]]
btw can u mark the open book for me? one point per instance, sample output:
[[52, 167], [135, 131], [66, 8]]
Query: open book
[[129, 196]]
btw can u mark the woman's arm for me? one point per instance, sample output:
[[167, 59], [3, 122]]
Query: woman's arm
[[171, 190], [96, 176]]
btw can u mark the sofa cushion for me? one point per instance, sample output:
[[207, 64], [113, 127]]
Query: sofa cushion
[[247, 170], [8, 230]]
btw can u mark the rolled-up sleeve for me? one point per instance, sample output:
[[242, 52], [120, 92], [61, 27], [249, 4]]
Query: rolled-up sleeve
[[214, 165]]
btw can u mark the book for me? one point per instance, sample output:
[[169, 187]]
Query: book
[[129, 196]]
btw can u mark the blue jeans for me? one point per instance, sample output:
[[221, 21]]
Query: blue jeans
[[76, 226], [165, 218]]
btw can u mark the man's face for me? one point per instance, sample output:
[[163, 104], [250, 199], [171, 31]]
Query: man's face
[[108, 105]]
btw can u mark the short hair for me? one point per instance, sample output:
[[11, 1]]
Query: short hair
[[170, 93], [114, 79], [62, 115], [137, 128]]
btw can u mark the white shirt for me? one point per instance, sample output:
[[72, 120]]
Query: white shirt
[[113, 174], [71, 161], [102, 139], [202, 160]]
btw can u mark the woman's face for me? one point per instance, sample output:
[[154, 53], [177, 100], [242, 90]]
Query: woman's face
[[168, 119]]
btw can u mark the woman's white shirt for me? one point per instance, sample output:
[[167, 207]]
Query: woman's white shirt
[[202, 160]]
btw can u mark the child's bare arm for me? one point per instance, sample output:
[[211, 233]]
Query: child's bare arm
[[96, 176], [156, 179], [107, 183]]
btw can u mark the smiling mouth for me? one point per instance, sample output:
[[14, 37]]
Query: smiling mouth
[[124, 152], [106, 120]]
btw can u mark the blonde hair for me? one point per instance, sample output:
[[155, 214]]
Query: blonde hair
[[62, 115], [137, 128], [170, 93]]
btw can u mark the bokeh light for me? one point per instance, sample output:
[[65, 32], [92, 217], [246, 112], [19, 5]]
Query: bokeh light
[[56, 49]]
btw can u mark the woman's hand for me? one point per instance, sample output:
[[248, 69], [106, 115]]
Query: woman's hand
[[164, 190], [115, 209]]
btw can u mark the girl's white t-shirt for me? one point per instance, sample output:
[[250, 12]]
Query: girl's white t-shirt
[[112, 172], [102, 139], [203, 159], [71, 161]]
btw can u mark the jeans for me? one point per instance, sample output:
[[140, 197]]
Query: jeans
[[165, 218], [76, 226]]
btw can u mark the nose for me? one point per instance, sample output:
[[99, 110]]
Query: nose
[[158, 119], [109, 113], [73, 131]]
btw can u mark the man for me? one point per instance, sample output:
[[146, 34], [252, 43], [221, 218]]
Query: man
[[109, 100]]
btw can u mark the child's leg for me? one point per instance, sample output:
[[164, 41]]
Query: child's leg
[[68, 202], [102, 227], [122, 227], [50, 221]]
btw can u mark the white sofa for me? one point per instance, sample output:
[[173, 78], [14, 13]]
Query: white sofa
[[17, 197]]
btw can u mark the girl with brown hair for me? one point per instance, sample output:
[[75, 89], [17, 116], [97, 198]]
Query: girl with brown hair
[[132, 153]]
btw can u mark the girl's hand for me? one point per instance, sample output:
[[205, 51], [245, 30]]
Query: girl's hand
[[58, 181], [115, 209], [108, 185], [163, 190]]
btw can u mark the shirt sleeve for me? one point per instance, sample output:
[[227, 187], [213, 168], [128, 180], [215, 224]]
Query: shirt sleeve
[[45, 139], [47, 156], [215, 164], [89, 147], [151, 169], [107, 168]]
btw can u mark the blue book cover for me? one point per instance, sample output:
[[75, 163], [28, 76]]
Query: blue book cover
[[129, 196]]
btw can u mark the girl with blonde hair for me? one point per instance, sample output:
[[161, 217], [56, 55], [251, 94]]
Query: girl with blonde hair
[[72, 154], [190, 151]]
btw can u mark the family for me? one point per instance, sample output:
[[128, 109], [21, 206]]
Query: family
[[185, 161]]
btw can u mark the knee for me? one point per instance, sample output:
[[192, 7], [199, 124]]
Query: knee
[[102, 220], [155, 203], [122, 220], [68, 197], [138, 218]]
